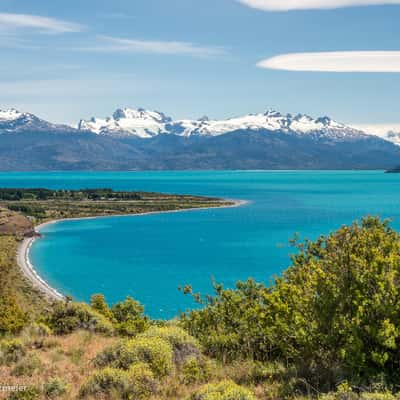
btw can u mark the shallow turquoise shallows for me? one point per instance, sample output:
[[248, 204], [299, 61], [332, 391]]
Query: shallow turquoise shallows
[[148, 257]]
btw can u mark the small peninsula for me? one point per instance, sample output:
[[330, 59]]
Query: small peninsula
[[43, 205]]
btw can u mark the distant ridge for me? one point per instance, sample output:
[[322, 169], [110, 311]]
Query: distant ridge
[[138, 139], [146, 124]]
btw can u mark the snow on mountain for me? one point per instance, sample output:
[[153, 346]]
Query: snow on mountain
[[389, 132], [126, 121], [12, 120], [271, 121], [10, 114], [146, 124]]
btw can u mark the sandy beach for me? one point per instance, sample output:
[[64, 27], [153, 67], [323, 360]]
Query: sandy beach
[[30, 273], [29, 270]]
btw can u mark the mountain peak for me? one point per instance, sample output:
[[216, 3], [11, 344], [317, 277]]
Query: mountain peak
[[140, 113], [274, 114], [10, 114], [146, 124], [14, 121], [128, 122]]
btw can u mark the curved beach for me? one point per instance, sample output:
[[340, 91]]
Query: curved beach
[[31, 274]]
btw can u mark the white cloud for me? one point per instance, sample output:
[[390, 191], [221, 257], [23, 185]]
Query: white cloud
[[12, 22], [113, 44], [345, 61], [286, 5]]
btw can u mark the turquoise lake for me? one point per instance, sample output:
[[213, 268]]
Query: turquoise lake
[[148, 257]]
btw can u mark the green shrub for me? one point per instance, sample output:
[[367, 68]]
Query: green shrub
[[377, 396], [69, 317], [31, 393], [183, 344], [99, 304], [27, 366], [136, 383], [118, 355], [156, 352], [55, 387], [225, 390], [11, 351], [108, 383], [344, 392], [250, 372], [129, 318], [36, 329], [195, 370], [12, 318], [142, 381], [35, 334], [334, 314]]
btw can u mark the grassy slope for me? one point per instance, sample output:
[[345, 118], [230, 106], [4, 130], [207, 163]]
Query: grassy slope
[[14, 283], [71, 357]]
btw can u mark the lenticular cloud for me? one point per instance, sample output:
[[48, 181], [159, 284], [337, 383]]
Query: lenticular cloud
[[345, 61], [286, 5]]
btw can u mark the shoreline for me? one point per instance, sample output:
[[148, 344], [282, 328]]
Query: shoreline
[[29, 271]]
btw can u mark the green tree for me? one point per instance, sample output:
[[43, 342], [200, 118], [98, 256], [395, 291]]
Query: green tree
[[334, 314], [12, 318], [129, 317], [98, 303]]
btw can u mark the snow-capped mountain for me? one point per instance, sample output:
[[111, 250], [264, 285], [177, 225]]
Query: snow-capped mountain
[[149, 140], [389, 132], [147, 124], [269, 121], [12, 120], [126, 121]]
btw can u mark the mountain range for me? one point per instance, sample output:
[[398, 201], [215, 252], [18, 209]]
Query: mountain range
[[138, 139]]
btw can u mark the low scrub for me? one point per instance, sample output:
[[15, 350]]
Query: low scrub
[[69, 317], [156, 352], [184, 345], [107, 383], [12, 317], [31, 393], [55, 387], [27, 366], [142, 381], [225, 390], [136, 383], [11, 351], [196, 370], [35, 334]]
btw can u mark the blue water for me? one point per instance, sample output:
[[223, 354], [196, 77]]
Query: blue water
[[148, 257]]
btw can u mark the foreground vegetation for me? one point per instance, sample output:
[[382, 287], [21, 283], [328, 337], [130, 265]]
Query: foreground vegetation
[[328, 328]]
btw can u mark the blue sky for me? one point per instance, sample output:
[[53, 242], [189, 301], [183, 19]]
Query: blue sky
[[70, 60]]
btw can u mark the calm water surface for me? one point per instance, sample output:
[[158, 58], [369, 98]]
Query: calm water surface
[[149, 256]]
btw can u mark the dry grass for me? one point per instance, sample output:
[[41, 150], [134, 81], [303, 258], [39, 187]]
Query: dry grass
[[68, 357], [13, 283], [14, 223]]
